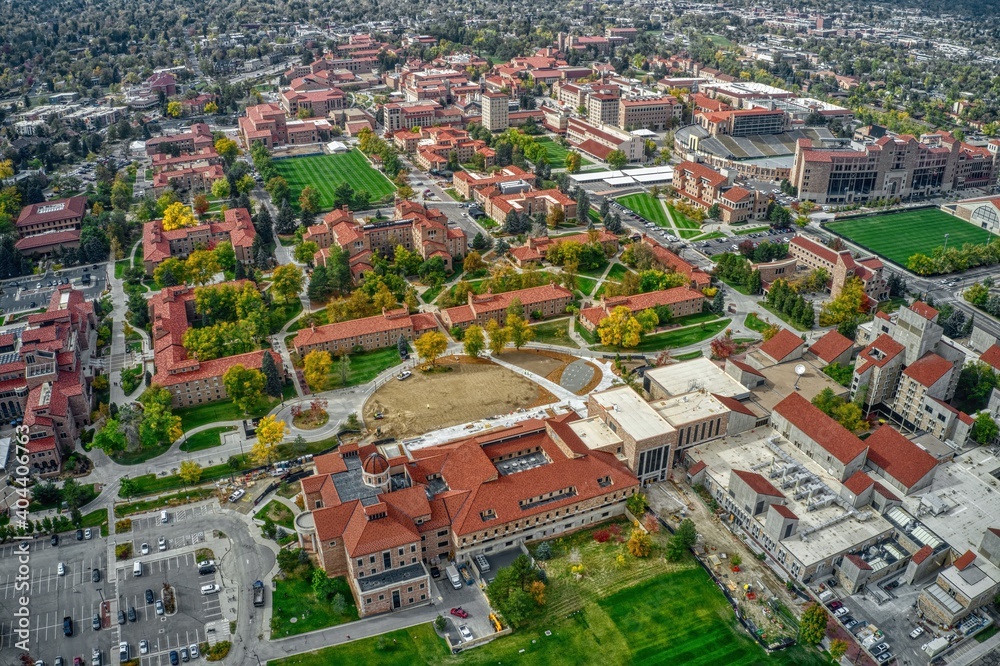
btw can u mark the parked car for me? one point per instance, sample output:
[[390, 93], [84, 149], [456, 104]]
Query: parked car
[[841, 612], [79, 535], [143, 646], [174, 659], [834, 605], [121, 616], [95, 575], [144, 549], [916, 633], [88, 534], [405, 374], [149, 596], [184, 654], [193, 648], [880, 648], [61, 569], [159, 607], [435, 572], [161, 544], [459, 612], [884, 657], [466, 633], [54, 540], [850, 622], [132, 615]]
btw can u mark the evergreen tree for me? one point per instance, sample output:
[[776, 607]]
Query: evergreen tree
[[272, 382], [241, 272], [285, 224], [264, 225]]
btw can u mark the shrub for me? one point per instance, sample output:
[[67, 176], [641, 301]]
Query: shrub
[[123, 551], [544, 551], [217, 652], [601, 536]]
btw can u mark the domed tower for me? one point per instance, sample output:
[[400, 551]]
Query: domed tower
[[375, 471]]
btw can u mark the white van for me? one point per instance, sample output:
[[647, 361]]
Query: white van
[[137, 569], [211, 588]]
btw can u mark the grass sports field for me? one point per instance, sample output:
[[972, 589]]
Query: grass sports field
[[626, 627], [646, 206], [898, 236], [326, 172], [557, 154]]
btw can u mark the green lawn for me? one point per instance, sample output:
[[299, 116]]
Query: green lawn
[[194, 495], [591, 338], [688, 356], [283, 313], [453, 193], [431, 294], [206, 439], [220, 410], [617, 272], [755, 323], [627, 627], [365, 367], [782, 317], [681, 220], [556, 154], [140, 456], [326, 172], [709, 236], [678, 338], [294, 597], [647, 207], [554, 333], [898, 236], [96, 518], [278, 513], [585, 284], [120, 267]]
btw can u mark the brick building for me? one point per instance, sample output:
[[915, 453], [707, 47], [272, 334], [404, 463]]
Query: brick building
[[379, 516], [190, 381], [654, 113], [236, 228], [50, 225], [704, 187], [267, 124], [369, 333], [199, 136], [682, 301], [320, 103], [549, 300], [529, 203], [841, 266], [467, 183]]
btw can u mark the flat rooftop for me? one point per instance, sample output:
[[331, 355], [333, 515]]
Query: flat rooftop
[[969, 490], [391, 577], [688, 408], [632, 412], [750, 452], [780, 383], [700, 373], [595, 433]]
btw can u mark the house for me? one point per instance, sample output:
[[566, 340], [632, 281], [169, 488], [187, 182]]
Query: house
[[380, 515], [368, 333], [51, 225], [236, 228], [190, 381], [681, 301], [548, 300]]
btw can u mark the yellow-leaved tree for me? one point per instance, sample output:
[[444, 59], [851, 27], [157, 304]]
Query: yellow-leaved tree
[[178, 215], [270, 432], [317, 369], [430, 345], [620, 328]]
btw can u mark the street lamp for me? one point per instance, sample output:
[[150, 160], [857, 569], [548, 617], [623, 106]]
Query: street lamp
[[946, 241]]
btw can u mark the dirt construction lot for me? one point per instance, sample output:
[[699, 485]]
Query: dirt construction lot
[[551, 365], [472, 390]]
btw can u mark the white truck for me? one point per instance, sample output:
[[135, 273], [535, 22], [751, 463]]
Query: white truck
[[456, 580], [935, 647]]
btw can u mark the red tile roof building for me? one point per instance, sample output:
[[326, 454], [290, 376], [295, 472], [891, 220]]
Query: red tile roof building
[[369, 333], [704, 187], [236, 228], [904, 464], [536, 247], [833, 348], [190, 381], [381, 519], [819, 436], [841, 266], [320, 103], [51, 225], [498, 206], [45, 377], [199, 136], [470, 184], [188, 180], [682, 302], [549, 300], [267, 124], [419, 229], [784, 346], [672, 262]]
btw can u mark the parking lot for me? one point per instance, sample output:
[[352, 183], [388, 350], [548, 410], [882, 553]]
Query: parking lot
[[167, 632], [720, 245], [18, 294], [896, 618], [54, 597], [470, 599]]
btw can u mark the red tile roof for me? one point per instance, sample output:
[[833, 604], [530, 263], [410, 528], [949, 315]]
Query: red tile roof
[[859, 482], [965, 560], [840, 442], [858, 562], [782, 345], [48, 238], [887, 349], [924, 310], [345, 330], [928, 369], [701, 171], [784, 511], [831, 346], [733, 404], [922, 554], [758, 483], [898, 457], [992, 356], [697, 467], [746, 368], [885, 492], [53, 211]]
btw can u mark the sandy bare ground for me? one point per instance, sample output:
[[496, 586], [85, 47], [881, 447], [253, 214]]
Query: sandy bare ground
[[472, 390]]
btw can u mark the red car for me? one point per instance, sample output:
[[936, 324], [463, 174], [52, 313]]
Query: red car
[[834, 605], [459, 612]]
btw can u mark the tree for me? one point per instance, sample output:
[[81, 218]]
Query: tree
[[838, 648], [474, 340], [201, 266], [473, 262], [176, 216], [110, 438], [272, 380], [225, 256], [174, 109], [309, 199], [430, 345], [244, 385], [481, 243], [270, 433], [518, 330], [682, 540], [499, 337], [245, 184], [616, 159], [812, 625], [227, 149], [286, 281], [200, 205], [316, 369], [277, 187], [189, 472], [723, 346], [74, 494], [639, 544], [573, 162], [984, 429], [221, 189], [636, 504], [620, 329], [304, 252], [848, 305]]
